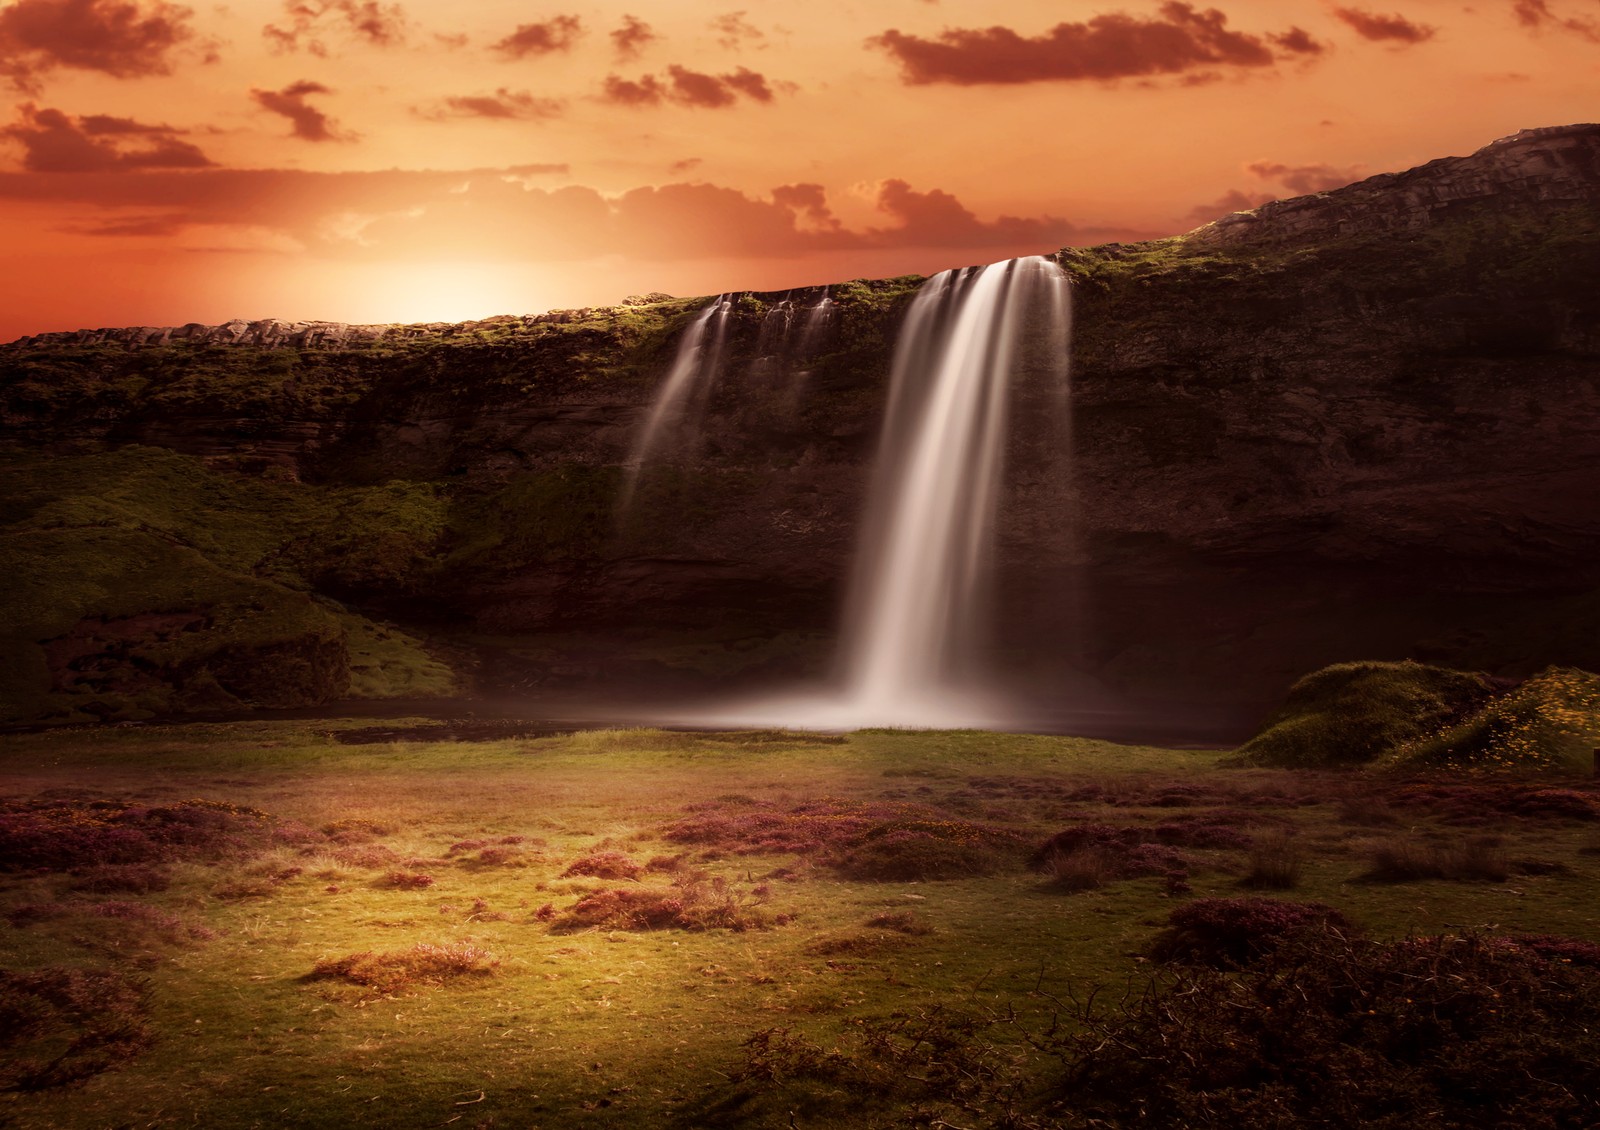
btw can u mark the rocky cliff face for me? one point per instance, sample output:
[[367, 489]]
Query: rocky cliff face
[[1364, 423], [1540, 169]]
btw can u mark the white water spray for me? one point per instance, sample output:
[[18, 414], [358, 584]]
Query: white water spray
[[919, 601]]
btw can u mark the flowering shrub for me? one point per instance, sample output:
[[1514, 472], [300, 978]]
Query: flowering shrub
[[408, 880], [688, 905], [603, 865], [922, 850], [1569, 951], [874, 841], [1090, 855], [70, 835], [1487, 802], [744, 827], [1329, 1030], [1552, 721], [1227, 933]]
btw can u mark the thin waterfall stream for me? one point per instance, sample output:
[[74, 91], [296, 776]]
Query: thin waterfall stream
[[686, 384]]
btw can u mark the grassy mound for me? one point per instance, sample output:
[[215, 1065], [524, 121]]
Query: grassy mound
[[143, 582], [1550, 722], [1354, 713]]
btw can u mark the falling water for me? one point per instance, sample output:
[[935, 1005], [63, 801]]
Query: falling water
[[818, 323], [918, 603], [686, 386]]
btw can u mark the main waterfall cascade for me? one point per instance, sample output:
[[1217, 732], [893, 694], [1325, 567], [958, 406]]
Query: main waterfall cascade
[[919, 597], [919, 601]]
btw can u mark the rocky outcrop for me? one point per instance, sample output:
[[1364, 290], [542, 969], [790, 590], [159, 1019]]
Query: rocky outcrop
[[1554, 167], [1363, 424]]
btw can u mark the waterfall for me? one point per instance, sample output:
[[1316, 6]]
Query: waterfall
[[686, 387], [814, 330], [911, 649], [919, 603]]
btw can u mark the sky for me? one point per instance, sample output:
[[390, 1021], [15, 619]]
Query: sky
[[423, 160]]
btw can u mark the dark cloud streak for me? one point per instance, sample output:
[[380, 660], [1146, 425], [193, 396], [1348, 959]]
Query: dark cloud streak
[[1380, 28], [309, 21], [502, 105], [54, 142], [631, 37], [1305, 178], [684, 87], [1537, 14], [120, 38], [558, 33], [306, 121], [1117, 45]]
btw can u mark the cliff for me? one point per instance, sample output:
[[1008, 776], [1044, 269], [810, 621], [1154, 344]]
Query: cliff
[[1359, 424]]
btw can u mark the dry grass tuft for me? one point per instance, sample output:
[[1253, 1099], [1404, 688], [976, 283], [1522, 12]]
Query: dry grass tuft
[[1405, 860], [424, 964], [1275, 862]]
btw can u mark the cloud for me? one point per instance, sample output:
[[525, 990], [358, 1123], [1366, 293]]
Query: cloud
[[308, 123], [1112, 46], [684, 87], [688, 164], [809, 202], [504, 215], [1298, 41], [121, 38], [54, 142], [309, 21], [631, 37], [1231, 202], [937, 219], [1298, 179], [502, 105], [1536, 14], [558, 33], [1381, 28], [734, 31], [1306, 178]]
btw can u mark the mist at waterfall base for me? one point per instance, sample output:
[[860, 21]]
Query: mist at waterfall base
[[914, 641]]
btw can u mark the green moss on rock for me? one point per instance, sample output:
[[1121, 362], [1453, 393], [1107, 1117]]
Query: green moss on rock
[[141, 582], [1355, 713]]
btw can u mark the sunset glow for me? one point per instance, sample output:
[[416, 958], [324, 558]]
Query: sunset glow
[[368, 161]]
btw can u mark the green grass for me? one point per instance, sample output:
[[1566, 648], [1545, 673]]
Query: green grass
[[613, 1027]]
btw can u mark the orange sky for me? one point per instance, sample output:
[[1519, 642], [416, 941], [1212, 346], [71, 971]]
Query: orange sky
[[358, 160]]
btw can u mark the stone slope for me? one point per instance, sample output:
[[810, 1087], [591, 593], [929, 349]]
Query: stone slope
[[1553, 167]]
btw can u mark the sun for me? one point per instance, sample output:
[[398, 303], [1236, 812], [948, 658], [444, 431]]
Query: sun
[[456, 292]]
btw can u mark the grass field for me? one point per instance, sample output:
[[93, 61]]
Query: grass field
[[283, 924]]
